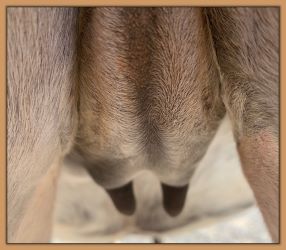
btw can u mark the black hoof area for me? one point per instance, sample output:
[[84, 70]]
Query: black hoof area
[[174, 199], [123, 199]]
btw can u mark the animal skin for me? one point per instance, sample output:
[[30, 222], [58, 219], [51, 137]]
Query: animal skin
[[124, 90]]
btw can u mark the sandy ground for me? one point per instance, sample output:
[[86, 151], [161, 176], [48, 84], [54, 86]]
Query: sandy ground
[[220, 207]]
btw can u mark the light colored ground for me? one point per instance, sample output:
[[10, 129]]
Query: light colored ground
[[219, 206], [246, 226]]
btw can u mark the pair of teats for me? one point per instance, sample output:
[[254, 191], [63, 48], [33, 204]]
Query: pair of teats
[[173, 198]]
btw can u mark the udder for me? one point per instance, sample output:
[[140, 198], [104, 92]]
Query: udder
[[149, 99]]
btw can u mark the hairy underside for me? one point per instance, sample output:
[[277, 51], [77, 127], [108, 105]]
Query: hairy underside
[[124, 90]]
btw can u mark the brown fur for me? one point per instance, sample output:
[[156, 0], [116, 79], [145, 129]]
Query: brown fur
[[246, 41], [259, 157], [149, 94], [41, 99], [153, 87]]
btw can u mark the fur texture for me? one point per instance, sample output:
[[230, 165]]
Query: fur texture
[[246, 41], [41, 99], [148, 92]]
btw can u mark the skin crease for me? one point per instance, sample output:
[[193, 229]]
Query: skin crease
[[132, 89]]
